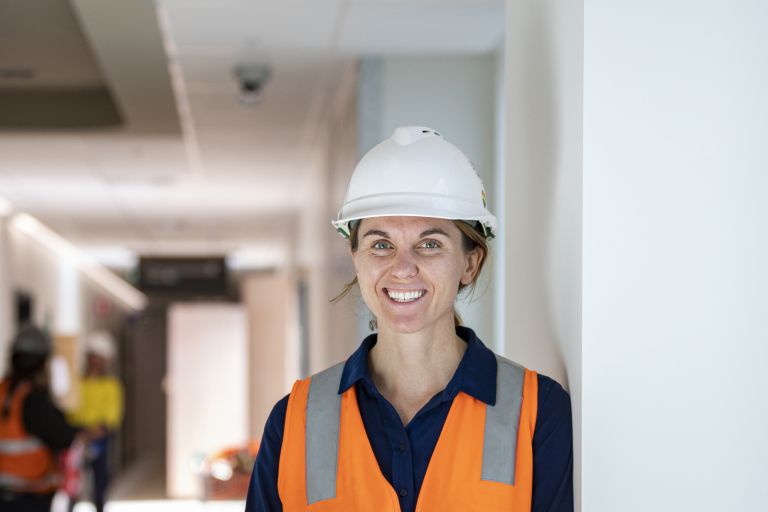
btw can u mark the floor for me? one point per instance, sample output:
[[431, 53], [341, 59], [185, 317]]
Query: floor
[[166, 506], [143, 480], [141, 488]]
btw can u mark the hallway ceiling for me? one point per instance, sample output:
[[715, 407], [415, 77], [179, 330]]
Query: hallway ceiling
[[193, 169]]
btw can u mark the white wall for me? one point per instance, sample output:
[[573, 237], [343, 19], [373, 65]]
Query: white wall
[[675, 248], [51, 281], [271, 306], [6, 295], [323, 260], [673, 310], [342, 317], [63, 297], [454, 95], [498, 199], [313, 260], [542, 223], [207, 386]]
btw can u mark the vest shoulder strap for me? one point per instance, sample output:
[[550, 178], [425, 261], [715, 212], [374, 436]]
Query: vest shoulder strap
[[11, 404], [322, 434], [502, 422], [323, 419]]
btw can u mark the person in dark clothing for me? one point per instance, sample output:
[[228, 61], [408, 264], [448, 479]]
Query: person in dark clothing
[[32, 428]]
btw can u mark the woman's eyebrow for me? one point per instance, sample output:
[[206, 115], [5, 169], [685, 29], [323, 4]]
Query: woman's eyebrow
[[434, 231], [429, 232], [376, 232]]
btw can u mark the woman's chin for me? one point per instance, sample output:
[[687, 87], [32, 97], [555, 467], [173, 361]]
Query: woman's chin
[[410, 324]]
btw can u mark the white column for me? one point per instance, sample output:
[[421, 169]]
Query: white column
[[638, 239], [68, 308], [675, 256]]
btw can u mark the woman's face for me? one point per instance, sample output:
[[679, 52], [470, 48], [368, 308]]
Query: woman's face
[[96, 364], [409, 270]]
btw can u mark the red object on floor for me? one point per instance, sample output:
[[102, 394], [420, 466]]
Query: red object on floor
[[240, 460]]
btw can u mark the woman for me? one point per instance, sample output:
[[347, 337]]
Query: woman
[[422, 416], [100, 411]]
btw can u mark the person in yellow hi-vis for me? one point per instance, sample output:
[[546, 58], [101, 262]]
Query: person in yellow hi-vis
[[100, 407]]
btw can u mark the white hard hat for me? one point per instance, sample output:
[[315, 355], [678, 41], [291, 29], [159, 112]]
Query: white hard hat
[[415, 173], [102, 344]]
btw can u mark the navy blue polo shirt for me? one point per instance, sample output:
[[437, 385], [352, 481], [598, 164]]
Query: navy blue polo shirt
[[403, 452]]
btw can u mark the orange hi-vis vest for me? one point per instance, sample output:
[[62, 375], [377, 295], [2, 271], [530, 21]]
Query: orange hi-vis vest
[[26, 464], [483, 460]]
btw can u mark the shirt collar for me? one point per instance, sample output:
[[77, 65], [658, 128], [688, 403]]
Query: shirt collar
[[475, 375]]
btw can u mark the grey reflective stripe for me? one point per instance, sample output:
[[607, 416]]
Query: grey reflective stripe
[[502, 422], [322, 434], [23, 484], [19, 446]]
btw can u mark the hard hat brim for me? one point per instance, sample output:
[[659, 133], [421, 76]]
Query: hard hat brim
[[413, 205]]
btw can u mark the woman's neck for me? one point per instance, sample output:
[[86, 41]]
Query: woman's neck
[[409, 369]]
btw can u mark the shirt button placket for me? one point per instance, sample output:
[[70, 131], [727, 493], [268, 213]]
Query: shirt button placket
[[405, 472]]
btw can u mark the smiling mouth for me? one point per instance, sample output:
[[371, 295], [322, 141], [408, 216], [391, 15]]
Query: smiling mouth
[[404, 295]]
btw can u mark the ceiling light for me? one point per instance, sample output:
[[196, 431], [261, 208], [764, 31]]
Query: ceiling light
[[124, 292]]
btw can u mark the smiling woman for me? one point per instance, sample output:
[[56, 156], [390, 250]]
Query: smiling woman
[[422, 416], [417, 265], [472, 241]]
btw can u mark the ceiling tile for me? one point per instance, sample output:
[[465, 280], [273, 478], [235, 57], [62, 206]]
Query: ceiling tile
[[421, 27]]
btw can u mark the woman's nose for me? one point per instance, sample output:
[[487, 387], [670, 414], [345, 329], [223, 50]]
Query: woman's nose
[[404, 265]]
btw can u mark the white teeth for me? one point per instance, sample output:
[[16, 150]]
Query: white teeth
[[409, 296]]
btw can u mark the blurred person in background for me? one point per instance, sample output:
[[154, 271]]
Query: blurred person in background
[[423, 416], [32, 428], [99, 411]]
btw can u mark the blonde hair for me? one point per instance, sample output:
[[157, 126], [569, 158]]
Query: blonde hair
[[471, 239]]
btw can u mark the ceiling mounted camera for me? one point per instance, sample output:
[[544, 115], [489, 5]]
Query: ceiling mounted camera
[[251, 78]]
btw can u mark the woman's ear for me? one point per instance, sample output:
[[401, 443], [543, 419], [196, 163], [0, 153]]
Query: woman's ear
[[474, 258], [352, 255]]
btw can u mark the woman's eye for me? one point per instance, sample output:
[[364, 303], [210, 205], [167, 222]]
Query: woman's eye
[[430, 244], [380, 246]]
